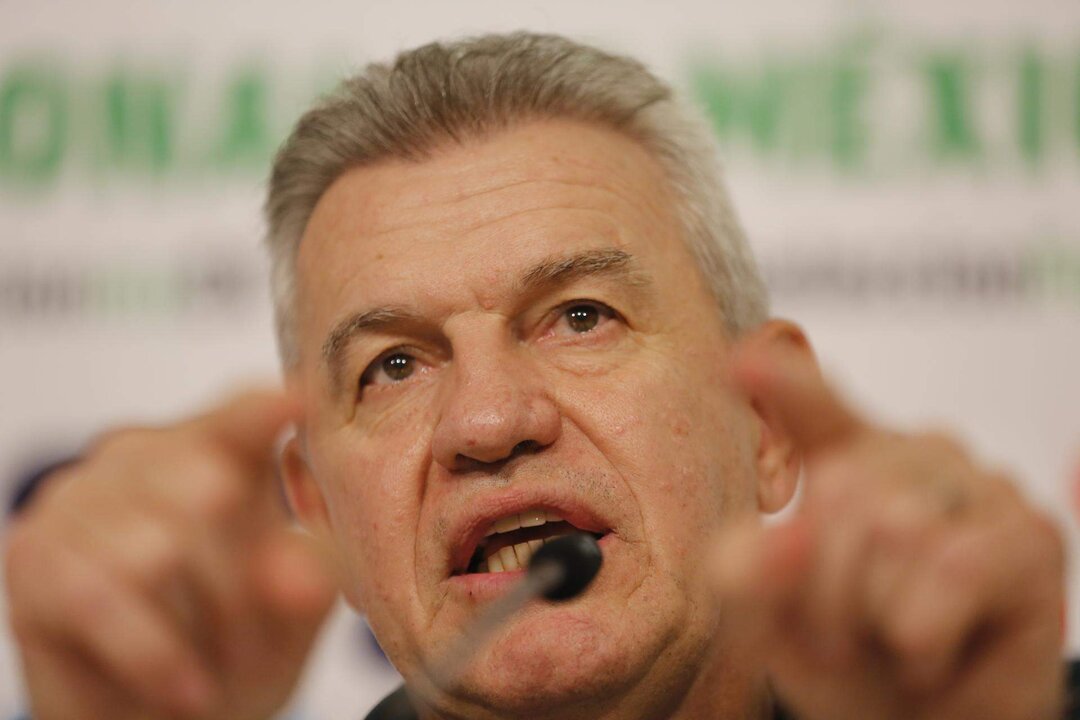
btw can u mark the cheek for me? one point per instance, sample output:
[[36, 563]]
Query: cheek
[[677, 437], [715, 434], [374, 486]]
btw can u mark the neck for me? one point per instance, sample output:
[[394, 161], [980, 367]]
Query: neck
[[728, 687]]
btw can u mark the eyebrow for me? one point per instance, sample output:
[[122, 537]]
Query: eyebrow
[[357, 324], [611, 263]]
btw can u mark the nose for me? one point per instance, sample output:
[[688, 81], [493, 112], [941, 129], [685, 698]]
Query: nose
[[494, 408]]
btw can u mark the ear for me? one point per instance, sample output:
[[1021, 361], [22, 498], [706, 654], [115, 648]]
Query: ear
[[305, 497], [778, 460]]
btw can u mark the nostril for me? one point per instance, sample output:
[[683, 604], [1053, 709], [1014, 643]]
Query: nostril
[[463, 461], [525, 446]]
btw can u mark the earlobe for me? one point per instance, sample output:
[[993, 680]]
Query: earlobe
[[778, 464], [778, 460], [303, 493]]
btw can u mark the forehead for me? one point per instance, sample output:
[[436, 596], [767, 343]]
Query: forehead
[[466, 185], [475, 214]]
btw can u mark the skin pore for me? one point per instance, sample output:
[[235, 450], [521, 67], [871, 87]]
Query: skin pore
[[516, 323]]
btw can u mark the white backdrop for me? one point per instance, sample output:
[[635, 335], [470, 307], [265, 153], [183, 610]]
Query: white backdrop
[[908, 172]]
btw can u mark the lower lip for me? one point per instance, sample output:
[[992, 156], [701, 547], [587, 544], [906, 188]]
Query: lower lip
[[484, 587]]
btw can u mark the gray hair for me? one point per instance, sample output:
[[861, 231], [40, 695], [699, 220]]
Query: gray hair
[[450, 92]]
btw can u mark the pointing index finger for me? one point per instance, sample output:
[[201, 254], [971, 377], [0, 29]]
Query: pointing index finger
[[785, 380], [249, 424]]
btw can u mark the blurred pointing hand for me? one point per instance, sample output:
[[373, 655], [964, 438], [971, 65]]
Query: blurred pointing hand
[[909, 583], [159, 577]]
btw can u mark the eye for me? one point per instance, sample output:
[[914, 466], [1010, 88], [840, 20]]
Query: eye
[[584, 317], [389, 369]]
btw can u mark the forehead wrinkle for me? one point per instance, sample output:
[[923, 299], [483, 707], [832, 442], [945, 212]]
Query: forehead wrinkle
[[458, 210]]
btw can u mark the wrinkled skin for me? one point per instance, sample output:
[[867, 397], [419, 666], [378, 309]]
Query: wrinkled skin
[[615, 416], [544, 340], [911, 583]]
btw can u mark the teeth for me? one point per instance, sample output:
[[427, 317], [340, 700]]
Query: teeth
[[524, 552], [532, 518], [509, 558], [507, 524], [529, 518], [516, 557]]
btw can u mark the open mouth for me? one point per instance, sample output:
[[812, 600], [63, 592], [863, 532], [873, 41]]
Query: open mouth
[[510, 542]]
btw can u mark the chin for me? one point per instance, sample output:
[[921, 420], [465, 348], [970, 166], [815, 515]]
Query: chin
[[552, 658]]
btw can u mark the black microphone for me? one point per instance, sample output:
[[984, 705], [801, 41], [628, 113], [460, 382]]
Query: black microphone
[[578, 559], [558, 571]]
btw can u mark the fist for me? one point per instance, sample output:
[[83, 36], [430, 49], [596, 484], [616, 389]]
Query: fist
[[910, 583], [159, 576]]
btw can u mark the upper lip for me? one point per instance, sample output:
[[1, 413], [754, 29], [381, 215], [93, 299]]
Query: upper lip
[[468, 530]]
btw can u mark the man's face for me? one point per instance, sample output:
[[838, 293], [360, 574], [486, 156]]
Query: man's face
[[511, 331]]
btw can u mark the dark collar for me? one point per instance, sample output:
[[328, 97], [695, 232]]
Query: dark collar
[[397, 706]]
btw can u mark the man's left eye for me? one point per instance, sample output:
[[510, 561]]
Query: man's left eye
[[584, 317], [389, 369]]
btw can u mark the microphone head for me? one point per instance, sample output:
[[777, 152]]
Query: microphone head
[[579, 557]]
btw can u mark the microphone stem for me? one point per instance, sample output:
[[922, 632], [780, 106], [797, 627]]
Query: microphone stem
[[537, 581]]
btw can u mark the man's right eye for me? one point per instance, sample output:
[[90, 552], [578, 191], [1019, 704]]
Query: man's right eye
[[389, 369]]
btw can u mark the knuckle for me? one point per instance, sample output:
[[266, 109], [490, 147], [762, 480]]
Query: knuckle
[[914, 643], [158, 554]]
